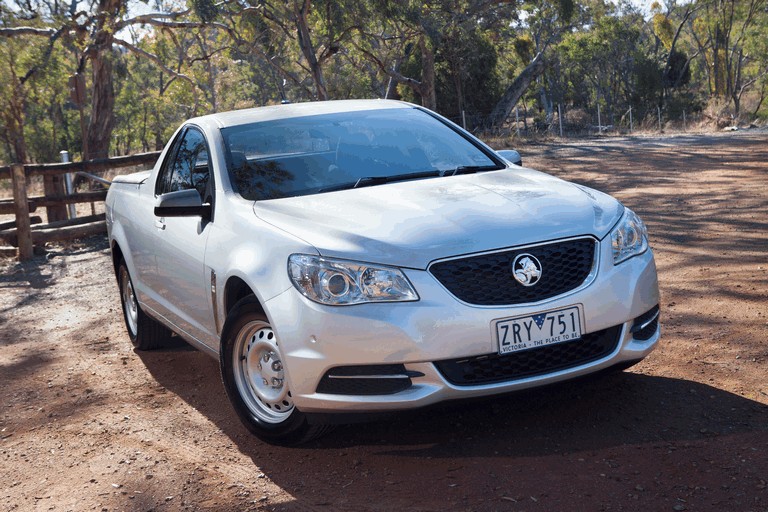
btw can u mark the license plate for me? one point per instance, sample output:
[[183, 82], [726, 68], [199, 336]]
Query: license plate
[[533, 331]]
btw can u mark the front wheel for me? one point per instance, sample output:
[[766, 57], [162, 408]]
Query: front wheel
[[253, 371]]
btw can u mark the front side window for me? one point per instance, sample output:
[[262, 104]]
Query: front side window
[[319, 153], [188, 165]]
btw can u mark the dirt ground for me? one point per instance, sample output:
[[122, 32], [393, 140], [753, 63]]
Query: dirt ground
[[86, 423]]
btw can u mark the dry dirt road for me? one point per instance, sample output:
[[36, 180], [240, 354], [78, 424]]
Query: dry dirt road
[[86, 423]]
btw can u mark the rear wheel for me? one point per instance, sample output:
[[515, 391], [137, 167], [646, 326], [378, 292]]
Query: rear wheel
[[253, 371], [145, 332]]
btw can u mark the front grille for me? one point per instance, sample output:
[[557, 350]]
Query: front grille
[[383, 379], [492, 368], [488, 279], [645, 326]]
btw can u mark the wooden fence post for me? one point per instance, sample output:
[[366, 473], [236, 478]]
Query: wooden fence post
[[21, 204], [54, 186]]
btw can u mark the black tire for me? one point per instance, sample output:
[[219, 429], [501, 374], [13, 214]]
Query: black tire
[[254, 378], [145, 332]]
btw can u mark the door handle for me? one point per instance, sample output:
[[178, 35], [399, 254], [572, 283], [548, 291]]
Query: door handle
[[160, 223]]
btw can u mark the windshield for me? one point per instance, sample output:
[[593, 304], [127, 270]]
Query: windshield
[[307, 155]]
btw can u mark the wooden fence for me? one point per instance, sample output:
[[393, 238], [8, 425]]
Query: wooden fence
[[26, 231]]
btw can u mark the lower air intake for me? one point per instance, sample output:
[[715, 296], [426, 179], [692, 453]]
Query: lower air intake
[[382, 379], [492, 368]]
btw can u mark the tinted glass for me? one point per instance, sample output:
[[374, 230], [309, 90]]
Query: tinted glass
[[188, 167], [306, 155]]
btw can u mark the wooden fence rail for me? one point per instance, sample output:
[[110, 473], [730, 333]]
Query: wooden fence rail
[[23, 235]]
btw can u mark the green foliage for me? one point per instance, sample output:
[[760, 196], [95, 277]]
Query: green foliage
[[229, 55], [150, 103], [466, 77], [524, 47], [566, 10], [35, 121], [684, 102], [206, 10], [605, 54], [648, 85], [359, 79], [678, 73], [663, 29]]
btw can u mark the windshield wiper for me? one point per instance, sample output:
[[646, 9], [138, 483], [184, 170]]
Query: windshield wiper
[[369, 181], [470, 169], [380, 180]]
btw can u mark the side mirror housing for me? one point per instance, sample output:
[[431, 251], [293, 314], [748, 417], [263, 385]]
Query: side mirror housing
[[511, 155], [182, 203]]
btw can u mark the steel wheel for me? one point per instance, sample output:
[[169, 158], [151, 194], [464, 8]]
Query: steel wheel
[[255, 378], [259, 374], [130, 304], [145, 332]]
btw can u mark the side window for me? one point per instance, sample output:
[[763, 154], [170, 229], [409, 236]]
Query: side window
[[187, 167]]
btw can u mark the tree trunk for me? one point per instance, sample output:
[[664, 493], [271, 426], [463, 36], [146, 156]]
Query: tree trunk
[[759, 102], [392, 83], [15, 124], [718, 65], [668, 64], [546, 103], [427, 89], [736, 86], [514, 92], [308, 50], [424, 87], [102, 119], [103, 103]]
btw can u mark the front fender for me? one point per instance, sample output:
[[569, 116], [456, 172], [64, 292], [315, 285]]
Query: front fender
[[246, 248]]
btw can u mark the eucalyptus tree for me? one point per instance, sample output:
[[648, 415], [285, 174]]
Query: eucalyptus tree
[[543, 24], [92, 31], [298, 38], [668, 26], [150, 102], [20, 66], [22, 85], [13, 95], [408, 39], [730, 35]]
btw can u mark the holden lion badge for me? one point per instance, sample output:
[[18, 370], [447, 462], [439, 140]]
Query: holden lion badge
[[527, 269]]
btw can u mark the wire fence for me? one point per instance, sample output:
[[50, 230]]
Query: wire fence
[[579, 122]]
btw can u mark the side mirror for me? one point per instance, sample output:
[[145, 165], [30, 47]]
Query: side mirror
[[511, 155], [182, 203]]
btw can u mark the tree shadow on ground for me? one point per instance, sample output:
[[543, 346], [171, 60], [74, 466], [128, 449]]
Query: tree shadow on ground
[[594, 418]]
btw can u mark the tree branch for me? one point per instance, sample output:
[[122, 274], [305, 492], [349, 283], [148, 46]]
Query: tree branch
[[395, 75], [173, 24], [27, 31], [151, 19], [54, 36], [208, 56], [154, 58]]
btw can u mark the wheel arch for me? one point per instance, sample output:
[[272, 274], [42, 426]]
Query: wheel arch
[[121, 249], [236, 289], [117, 256]]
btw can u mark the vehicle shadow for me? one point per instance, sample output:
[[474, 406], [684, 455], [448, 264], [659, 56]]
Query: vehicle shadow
[[617, 419]]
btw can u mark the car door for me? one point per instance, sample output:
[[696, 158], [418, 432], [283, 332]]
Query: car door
[[184, 282]]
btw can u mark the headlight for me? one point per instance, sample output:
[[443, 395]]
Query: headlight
[[340, 283], [629, 238]]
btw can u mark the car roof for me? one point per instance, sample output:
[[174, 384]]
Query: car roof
[[270, 113]]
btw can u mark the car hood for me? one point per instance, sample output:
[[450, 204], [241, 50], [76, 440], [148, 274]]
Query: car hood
[[409, 224]]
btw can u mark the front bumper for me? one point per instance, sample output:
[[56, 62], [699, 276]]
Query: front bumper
[[317, 338]]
